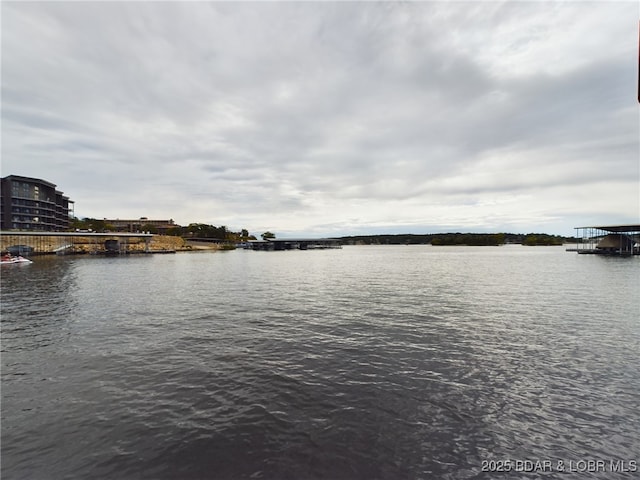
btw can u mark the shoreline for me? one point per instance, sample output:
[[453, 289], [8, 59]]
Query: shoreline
[[80, 245]]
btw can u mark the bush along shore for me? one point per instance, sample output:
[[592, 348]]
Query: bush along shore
[[473, 239]]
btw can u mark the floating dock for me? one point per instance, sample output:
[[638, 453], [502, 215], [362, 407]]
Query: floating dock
[[618, 240], [293, 244]]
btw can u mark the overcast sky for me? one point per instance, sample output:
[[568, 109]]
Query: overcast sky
[[318, 118]]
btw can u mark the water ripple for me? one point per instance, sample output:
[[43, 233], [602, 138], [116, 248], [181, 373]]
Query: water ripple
[[361, 363]]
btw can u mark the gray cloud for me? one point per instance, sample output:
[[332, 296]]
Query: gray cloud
[[328, 117]]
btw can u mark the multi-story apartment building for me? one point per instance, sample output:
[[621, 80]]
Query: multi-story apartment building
[[32, 204]]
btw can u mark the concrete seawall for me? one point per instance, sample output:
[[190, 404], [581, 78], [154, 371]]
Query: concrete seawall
[[48, 244]]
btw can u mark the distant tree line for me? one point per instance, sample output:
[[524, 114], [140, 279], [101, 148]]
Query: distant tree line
[[193, 230], [481, 239], [474, 239], [89, 224], [205, 231]]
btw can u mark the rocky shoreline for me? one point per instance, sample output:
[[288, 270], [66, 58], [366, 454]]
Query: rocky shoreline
[[83, 244]]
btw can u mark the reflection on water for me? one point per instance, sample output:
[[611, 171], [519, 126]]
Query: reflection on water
[[365, 362], [36, 302]]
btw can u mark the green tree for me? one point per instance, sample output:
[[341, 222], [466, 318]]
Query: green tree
[[77, 224], [147, 227], [174, 231], [266, 235]]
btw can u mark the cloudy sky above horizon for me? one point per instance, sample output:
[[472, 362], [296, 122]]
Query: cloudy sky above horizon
[[329, 118]]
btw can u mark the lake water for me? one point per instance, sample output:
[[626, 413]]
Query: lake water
[[369, 362]]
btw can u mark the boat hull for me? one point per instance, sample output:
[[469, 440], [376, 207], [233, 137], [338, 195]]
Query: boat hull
[[14, 260]]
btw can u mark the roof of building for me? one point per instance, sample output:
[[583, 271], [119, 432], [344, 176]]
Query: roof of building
[[20, 178], [616, 228]]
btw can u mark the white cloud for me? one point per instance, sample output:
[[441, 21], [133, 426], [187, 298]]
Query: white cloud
[[328, 117]]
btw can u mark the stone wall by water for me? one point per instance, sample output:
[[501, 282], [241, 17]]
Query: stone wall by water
[[83, 244]]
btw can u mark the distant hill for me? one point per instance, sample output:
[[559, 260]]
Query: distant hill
[[481, 239]]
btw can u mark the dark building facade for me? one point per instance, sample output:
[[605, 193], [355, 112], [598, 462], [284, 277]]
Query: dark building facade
[[32, 204]]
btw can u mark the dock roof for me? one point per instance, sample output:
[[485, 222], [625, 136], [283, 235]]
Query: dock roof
[[615, 228]]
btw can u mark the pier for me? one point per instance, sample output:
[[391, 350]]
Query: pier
[[43, 243], [619, 240], [294, 244]]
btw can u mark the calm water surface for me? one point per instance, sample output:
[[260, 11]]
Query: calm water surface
[[363, 363]]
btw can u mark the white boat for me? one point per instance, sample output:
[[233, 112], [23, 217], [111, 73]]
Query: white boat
[[8, 259]]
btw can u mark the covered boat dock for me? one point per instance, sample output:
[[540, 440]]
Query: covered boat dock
[[620, 240]]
